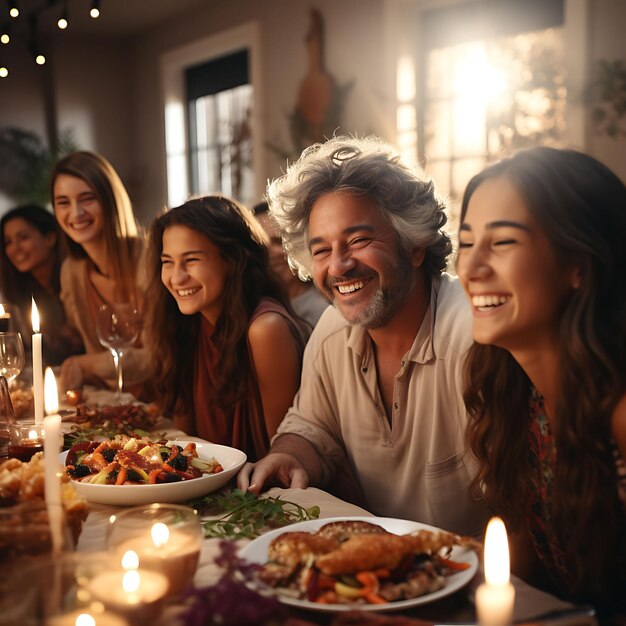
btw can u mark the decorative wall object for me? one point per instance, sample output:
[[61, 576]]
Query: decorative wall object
[[320, 102]]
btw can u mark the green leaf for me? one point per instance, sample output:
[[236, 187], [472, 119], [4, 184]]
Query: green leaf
[[246, 515]]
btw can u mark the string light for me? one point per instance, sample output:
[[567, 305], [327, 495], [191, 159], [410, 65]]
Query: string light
[[40, 59], [63, 23], [4, 38], [4, 72], [95, 9], [13, 10]]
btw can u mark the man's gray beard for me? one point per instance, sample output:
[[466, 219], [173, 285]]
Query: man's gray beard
[[385, 303]]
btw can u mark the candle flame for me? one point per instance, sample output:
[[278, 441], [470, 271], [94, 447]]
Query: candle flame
[[50, 393], [34, 316], [160, 534], [130, 560], [131, 581], [84, 619], [497, 567], [32, 434], [2, 311]]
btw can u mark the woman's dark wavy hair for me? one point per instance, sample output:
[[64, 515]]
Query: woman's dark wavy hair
[[581, 206], [19, 287], [174, 336], [121, 231]]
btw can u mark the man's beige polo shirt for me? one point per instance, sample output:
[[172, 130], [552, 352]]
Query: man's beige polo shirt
[[414, 465]]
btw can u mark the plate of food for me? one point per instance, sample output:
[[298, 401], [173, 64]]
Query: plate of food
[[365, 563], [128, 471]]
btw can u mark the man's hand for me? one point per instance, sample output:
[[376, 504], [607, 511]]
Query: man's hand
[[277, 468]]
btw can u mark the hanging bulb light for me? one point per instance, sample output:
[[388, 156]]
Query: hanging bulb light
[[4, 34], [13, 8], [39, 57], [4, 72], [95, 9], [63, 23]]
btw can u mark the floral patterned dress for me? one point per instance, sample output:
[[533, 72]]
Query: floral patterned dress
[[542, 457]]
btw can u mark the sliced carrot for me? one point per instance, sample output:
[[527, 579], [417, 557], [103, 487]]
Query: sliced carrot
[[218, 469], [374, 598], [153, 475], [121, 477], [456, 566], [369, 580]]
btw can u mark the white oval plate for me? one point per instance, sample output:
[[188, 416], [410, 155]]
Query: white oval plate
[[257, 552], [231, 460]]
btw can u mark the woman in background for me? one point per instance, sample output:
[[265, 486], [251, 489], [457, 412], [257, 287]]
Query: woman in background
[[30, 264], [226, 343], [94, 212], [542, 259]]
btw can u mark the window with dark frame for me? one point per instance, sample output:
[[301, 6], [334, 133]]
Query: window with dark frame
[[219, 97]]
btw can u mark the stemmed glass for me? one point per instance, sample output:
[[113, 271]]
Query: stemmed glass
[[118, 327], [11, 355], [11, 364]]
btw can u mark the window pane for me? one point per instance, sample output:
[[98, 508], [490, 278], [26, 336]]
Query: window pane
[[438, 129]]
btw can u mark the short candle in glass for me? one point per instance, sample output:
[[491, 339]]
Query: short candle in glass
[[166, 537], [134, 593], [25, 439]]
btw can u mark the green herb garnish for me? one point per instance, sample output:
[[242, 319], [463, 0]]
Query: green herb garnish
[[245, 515]]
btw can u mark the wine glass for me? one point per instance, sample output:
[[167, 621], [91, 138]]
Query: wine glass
[[118, 327], [11, 355]]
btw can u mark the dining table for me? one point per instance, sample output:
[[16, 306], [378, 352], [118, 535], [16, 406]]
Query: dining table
[[532, 606]]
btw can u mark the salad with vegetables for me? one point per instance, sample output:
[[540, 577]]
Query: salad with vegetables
[[131, 461]]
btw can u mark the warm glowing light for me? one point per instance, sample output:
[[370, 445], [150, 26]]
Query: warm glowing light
[[84, 619], [131, 581], [405, 79], [160, 534], [94, 13], [130, 560], [50, 392], [4, 38], [497, 566], [2, 311], [14, 12], [62, 23], [4, 72], [40, 59], [32, 434], [34, 316]]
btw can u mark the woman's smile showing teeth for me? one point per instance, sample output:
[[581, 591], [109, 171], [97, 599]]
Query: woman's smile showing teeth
[[488, 301], [188, 292], [350, 288]]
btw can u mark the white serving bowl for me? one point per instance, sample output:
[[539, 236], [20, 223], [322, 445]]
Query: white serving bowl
[[230, 459]]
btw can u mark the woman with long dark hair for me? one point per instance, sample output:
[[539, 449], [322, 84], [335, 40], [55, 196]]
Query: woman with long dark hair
[[30, 263], [226, 343], [542, 259], [96, 217]]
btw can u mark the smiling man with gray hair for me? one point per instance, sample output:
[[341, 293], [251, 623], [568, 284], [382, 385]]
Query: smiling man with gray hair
[[381, 383]]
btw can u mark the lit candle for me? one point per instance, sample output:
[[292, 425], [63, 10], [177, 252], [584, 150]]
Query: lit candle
[[37, 365], [134, 593], [172, 552], [78, 618], [52, 469], [5, 319], [26, 438], [496, 596]]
